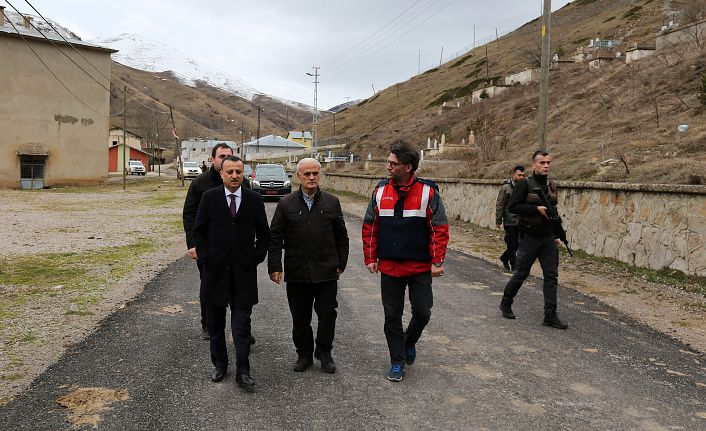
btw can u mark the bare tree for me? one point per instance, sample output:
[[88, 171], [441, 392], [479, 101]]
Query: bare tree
[[490, 134], [694, 11]]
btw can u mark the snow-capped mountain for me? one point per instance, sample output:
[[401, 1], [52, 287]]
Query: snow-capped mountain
[[139, 53]]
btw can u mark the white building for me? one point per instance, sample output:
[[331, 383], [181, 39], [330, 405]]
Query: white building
[[272, 146], [199, 150]]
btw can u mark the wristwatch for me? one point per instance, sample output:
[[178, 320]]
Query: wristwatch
[[438, 264]]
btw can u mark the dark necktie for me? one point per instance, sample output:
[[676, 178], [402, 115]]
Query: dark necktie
[[232, 204]]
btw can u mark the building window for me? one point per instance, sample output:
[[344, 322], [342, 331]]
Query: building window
[[32, 172], [115, 142]]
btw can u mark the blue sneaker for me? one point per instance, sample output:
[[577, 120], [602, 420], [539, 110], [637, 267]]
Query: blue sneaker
[[410, 354], [396, 372]]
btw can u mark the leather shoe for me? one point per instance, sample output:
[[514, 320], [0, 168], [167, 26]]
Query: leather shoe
[[251, 341], [303, 362], [506, 309], [218, 374], [551, 319], [204, 333], [327, 364], [244, 380]]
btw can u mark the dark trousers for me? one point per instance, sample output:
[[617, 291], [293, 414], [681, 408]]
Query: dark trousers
[[420, 297], [301, 298], [511, 239], [531, 248], [240, 326], [203, 305]]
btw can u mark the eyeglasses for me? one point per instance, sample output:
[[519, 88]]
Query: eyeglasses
[[393, 164]]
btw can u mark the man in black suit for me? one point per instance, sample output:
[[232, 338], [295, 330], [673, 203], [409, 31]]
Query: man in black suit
[[231, 236], [205, 181]]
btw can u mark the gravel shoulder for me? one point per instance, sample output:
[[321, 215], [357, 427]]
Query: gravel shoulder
[[73, 256]]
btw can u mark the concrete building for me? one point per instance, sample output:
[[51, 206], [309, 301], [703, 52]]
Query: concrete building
[[637, 53], [49, 135], [490, 92], [199, 150], [119, 154], [272, 147], [523, 78], [303, 138]]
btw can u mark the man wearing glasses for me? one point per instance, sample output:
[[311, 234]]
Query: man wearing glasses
[[405, 233], [308, 224]]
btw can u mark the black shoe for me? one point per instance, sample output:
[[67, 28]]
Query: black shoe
[[505, 261], [327, 364], [303, 363], [204, 333], [251, 341], [506, 309], [244, 380], [218, 374], [553, 320]]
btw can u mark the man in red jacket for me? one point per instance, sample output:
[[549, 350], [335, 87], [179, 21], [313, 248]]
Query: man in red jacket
[[405, 233]]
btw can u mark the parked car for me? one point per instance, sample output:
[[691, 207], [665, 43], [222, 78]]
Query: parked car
[[190, 170], [270, 180], [135, 167], [247, 171]]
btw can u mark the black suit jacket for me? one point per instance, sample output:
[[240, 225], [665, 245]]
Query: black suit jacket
[[230, 249]]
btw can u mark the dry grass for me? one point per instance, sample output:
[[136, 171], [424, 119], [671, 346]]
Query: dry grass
[[594, 115]]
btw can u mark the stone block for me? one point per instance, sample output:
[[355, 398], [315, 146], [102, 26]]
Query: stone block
[[644, 211], [610, 247], [694, 241], [697, 261], [658, 256], [696, 223], [680, 265]]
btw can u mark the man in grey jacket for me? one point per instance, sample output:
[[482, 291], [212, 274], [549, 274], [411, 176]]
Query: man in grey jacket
[[503, 217]]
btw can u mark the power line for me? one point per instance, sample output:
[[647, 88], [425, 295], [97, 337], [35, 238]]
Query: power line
[[393, 29], [48, 68], [398, 38], [384, 26]]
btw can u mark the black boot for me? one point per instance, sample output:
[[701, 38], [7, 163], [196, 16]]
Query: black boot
[[551, 319], [303, 362], [506, 309], [327, 364]]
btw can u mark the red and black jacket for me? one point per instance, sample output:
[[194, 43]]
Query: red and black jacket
[[405, 228]]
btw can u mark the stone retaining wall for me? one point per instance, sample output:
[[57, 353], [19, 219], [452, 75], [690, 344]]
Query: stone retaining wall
[[652, 226]]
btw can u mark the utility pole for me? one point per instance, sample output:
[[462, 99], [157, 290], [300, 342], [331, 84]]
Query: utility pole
[[419, 63], [334, 124], [544, 76], [180, 163], [124, 135], [474, 35], [441, 57], [316, 109], [242, 141], [257, 146], [487, 66]]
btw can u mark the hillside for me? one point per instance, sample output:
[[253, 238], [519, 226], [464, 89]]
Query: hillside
[[199, 111], [595, 115]]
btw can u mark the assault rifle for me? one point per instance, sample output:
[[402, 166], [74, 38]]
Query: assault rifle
[[554, 219]]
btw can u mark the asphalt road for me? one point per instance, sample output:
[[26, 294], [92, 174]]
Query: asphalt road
[[474, 370]]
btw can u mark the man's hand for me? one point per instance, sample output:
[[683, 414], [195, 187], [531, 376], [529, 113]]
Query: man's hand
[[338, 271], [543, 211], [191, 252], [437, 271], [276, 277], [498, 226], [372, 267]]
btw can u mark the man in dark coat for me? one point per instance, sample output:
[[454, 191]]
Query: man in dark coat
[[202, 183], [231, 236], [309, 225]]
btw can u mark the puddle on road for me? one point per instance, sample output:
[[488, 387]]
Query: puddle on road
[[86, 404]]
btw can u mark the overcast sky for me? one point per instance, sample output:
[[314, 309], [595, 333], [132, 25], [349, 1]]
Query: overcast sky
[[358, 44]]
